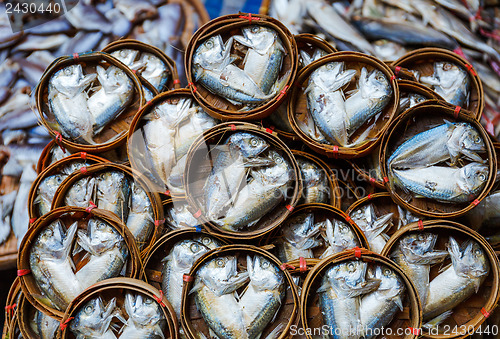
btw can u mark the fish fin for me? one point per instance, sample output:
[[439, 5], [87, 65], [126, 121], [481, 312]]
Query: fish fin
[[212, 334], [306, 59], [397, 300], [324, 287], [68, 241], [197, 286], [444, 268], [276, 331], [242, 40], [435, 322], [472, 156], [85, 242], [371, 285]]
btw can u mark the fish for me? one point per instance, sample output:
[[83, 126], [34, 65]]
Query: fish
[[314, 183], [140, 218], [263, 296], [388, 50], [340, 293], [289, 12], [68, 102], [41, 42], [178, 216], [444, 184], [486, 213], [214, 294], [113, 193], [406, 217], [450, 81], [6, 206], [460, 280], [81, 193], [178, 262], [279, 118], [447, 142], [306, 58], [136, 10], [112, 99], [155, 71], [265, 190], [339, 237], [93, 320], [107, 251], [87, 18], [20, 216], [264, 56], [299, 237], [414, 255], [408, 100], [47, 326], [372, 226], [379, 307], [46, 191], [238, 152], [82, 42], [145, 318], [52, 266]]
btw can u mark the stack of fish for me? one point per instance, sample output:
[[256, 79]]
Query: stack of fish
[[246, 295]]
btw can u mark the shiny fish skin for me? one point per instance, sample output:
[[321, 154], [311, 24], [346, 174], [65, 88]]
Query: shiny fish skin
[[93, 320], [373, 227], [444, 184], [146, 319], [315, 184], [442, 143], [451, 82], [81, 193], [47, 326], [113, 193], [20, 216], [140, 218], [339, 237], [6, 206], [179, 216], [45, 192], [299, 237], [155, 72]]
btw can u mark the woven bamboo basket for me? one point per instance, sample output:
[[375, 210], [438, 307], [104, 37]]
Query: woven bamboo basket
[[11, 330], [25, 315], [321, 212], [12, 300], [192, 320], [227, 26], [69, 215], [173, 81], [175, 206], [416, 120], [472, 312], [133, 176], [114, 133], [203, 152], [408, 320], [332, 180], [78, 158], [422, 60], [297, 108], [116, 288]]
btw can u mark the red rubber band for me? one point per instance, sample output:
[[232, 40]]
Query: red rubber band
[[289, 207], [386, 179], [233, 127], [76, 56], [187, 278], [83, 155], [471, 69], [159, 222], [414, 331], [485, 313], [197, 214], [167, 192], [393, 77], [134, 71], [456, 111], [357, 252], [475, 202], [91, 207], [21, 273], [32, 220], [59, 139], [369, 196], [286, 266], [335, 150], [372, 180], [249, 17], [302, 264], [397, 69], [160, 298], [420, 224], [268, 130], [176, 81], [63, 325], [83, 170], [282, 93], [10, 308], [348, 218], [193, 86]]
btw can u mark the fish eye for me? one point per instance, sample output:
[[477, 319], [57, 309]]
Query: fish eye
[[380, 77], [68, 71], [329, 66], [265, 264], [254, 142], [447, 66], [89, 309], [123, 53], [477, 251], [254, 29], [220, 262], [477, 139], [350, 267], [206, 240], [209, 44], [387, 272], [195, 247], [421, 237], [482, 177], [148, 301]]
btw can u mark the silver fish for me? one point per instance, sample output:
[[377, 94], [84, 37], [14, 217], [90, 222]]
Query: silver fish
[[113, 193], [45, 192], [107, 250], [81, 193], [408, 100], [68, 102], [140, 219], [178, 262], [155, 71], [379, 307], [290, 12], [47, 327], [146, 319], [314, 182], [373, 227], [415, 255], [116, 93], [299, 237], [263, 297], [339, 297], [93, 320], [20, 216], [6, 206], [450, 81], [468, 270], [178, 215], [339, 237], [52, 266], [444, 184]]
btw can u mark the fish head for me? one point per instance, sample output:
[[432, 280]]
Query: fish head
[[364, 216], [415, 99], [415, 245], [258, 37], [263, 273], [208, 241], [249, 145], [210, 53], [311, 173], [220, 269], [51, 238], [469, 260], [140, 200], [375, 85], [102, 235], [146, 311], [332, 76], [186, 252], [344, 235], [449, 74], [349, 278], [299, 227], [49, 185], [470, 139], [473, 177], [391, 285], [127, 56], [90, 317]]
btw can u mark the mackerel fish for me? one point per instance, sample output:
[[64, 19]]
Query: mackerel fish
[[372, 226], [450, 81], [113, 193], [81, 193], [299, 237], [93, 320], [47, 327], [314, 182], [339, 237], [140, 218], [145, 318]]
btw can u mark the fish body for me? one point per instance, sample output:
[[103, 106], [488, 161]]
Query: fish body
[[93, 320], [6, 206], [81, 192], [339, 237], [47, 326], [20, 216], [146, 319], [444, 183], [178, 216], [46, 191], [140, 218], [113, 193], [314, 182], [450, 81], [373, 227], [299, 237], [68, 101], [155, 71]]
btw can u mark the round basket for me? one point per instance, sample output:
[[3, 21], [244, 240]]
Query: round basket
[[309, 43], [134, 177], [408, 321], [227, 26], [334, 199], [297, 108], [25, 316], [12, 300], [141, 47], [416, 120], [68, 215], [78, 158], [422, 60], [115, 132], [117, 288], [198, 167], [139, 153], [472, 312], [321, 212], [192, 320]]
